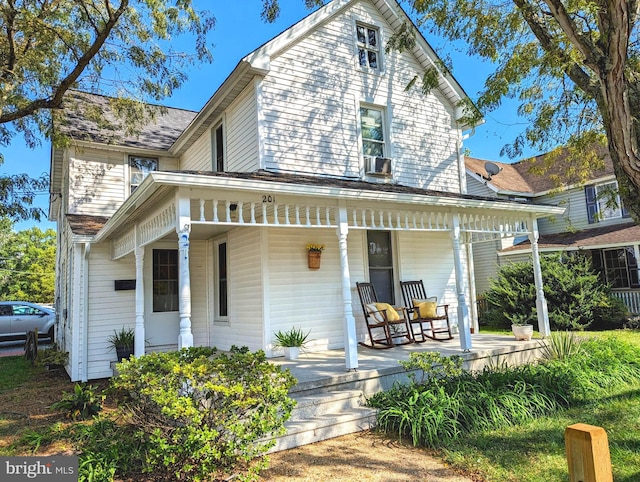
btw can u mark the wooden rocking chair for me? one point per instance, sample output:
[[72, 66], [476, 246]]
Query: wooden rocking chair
[[423, 310], [387, 326]]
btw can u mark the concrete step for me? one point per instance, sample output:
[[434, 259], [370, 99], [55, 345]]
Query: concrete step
[[325, 415], [309, 406], [326, 426]]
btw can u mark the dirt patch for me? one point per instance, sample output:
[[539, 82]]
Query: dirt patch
[[356, 457]]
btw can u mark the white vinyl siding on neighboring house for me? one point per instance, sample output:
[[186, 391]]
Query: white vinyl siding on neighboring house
[[311, 100], [575, 214], [477, 188]]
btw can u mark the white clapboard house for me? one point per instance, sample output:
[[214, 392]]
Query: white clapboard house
[[194, 231]]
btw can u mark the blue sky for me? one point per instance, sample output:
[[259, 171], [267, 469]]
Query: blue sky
[[239, 30]]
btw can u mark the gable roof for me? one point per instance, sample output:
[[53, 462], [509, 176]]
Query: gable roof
[[519, 178], [258, 63], [159, 130]]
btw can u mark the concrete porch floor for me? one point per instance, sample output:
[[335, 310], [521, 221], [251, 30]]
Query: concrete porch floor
[[317, 370]]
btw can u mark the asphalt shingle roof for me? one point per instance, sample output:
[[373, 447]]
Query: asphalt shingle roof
[[160, 126], [617, 234]]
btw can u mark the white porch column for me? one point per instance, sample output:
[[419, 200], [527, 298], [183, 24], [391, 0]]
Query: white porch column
[[138, 349], [185, 338], [349, 324], [463, 310], [541, 302]]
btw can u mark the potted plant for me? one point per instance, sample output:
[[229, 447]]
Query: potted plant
[[314, 252], [123, 342], [292, 341], [520, 326]]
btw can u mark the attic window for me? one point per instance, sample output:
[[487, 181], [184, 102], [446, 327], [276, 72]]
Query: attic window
[[368, 43]]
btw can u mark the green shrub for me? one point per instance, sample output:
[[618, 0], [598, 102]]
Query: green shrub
[[81, 404], [576, 296], [203, 416], [439, 409]]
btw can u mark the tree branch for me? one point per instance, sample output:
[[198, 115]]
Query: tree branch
[[575, 71], [55, 100]]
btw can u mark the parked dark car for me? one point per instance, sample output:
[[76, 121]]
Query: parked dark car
[[19, 317]]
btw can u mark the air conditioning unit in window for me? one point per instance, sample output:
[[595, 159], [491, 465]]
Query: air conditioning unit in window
[[378, 166]]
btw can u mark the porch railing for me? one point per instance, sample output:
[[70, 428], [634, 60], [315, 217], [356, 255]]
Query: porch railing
[[631, 299]]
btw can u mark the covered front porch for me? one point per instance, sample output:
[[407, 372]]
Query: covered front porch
[[265, 218], [379, 368]]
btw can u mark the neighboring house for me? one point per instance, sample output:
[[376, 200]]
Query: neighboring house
[[591, 222], [194, 231]]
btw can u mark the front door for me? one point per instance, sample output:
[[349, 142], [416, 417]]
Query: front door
[[381, 264]]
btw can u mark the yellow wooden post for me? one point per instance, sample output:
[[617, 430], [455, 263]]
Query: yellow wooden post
[[587, 453]]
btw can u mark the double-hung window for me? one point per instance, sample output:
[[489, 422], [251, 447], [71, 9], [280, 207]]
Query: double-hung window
[[368, 45], [603, 202], [372, 128], [617, 266], [139, 168]]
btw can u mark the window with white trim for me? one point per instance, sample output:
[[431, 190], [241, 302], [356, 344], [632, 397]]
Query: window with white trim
[[368, 45], [221, 280], [217, 148], [139, 168], [603, 202], [165, 280], [372, 129]]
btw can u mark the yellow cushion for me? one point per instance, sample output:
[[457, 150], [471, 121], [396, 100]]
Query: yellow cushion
[[392, 314], [427, 308]]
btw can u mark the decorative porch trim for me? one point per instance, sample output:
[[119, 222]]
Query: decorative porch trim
[[160, 223]]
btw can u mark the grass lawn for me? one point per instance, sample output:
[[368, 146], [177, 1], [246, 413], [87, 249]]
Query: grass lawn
[[535, 452]]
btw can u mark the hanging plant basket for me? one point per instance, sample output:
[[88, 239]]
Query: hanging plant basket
[[314, 259]]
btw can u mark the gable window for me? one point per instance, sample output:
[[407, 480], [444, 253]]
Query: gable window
[[139, 168], [165, 280], [372, 128], [217, 148], [603, 202], [368, 44]]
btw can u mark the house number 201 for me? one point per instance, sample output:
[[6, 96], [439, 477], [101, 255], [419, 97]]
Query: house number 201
[[268, 198]]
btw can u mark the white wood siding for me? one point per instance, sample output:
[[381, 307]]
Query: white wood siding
[[575, 214], [98, 183], [109, 310], [429, 257], [199, 285], [307, 299], [198, 156], [242, 133], [246, 314], [311, 101]]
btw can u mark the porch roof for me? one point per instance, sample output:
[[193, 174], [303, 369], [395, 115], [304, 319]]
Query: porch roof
[[158, 185], [601, 237]]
